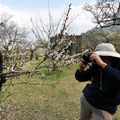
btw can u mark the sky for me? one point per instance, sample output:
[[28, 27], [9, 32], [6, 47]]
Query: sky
[[24, 10]]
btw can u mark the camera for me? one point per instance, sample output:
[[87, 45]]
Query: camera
[[86, 57]]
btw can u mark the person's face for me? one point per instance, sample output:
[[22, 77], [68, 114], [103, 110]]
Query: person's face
[[106, 59]]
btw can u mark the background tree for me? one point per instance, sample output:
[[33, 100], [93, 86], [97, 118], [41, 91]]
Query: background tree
[[11, 36], [114, 38], [12, 39], [105, 12], [33, 46], [94, 37]]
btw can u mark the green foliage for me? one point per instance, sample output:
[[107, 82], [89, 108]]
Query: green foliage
[[96, 36]]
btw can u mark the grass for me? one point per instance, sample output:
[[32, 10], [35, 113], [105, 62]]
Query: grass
[[61, 102]]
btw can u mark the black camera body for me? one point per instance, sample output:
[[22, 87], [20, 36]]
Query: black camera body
[[86, 57]]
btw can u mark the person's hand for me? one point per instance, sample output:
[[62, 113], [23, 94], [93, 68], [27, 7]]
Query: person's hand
[[82, 66], [95, 59]]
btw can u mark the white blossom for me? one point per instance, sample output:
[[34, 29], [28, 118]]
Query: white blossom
[[43, 75], [41, 83]]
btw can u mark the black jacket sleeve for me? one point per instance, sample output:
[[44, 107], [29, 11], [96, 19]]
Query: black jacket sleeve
[[85, 75]]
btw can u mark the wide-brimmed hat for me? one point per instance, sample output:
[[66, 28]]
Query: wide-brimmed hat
[[106, 49]]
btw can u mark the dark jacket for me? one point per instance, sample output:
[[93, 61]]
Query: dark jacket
[[104, 91]]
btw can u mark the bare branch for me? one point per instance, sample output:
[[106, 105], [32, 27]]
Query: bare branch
[[105, 12]]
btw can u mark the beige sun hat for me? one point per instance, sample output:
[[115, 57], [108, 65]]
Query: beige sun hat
[[106, 49]]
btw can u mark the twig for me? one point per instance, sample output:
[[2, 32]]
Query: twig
[[7, 97]]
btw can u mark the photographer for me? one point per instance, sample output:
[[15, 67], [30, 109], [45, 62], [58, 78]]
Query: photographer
[[99, 99]]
